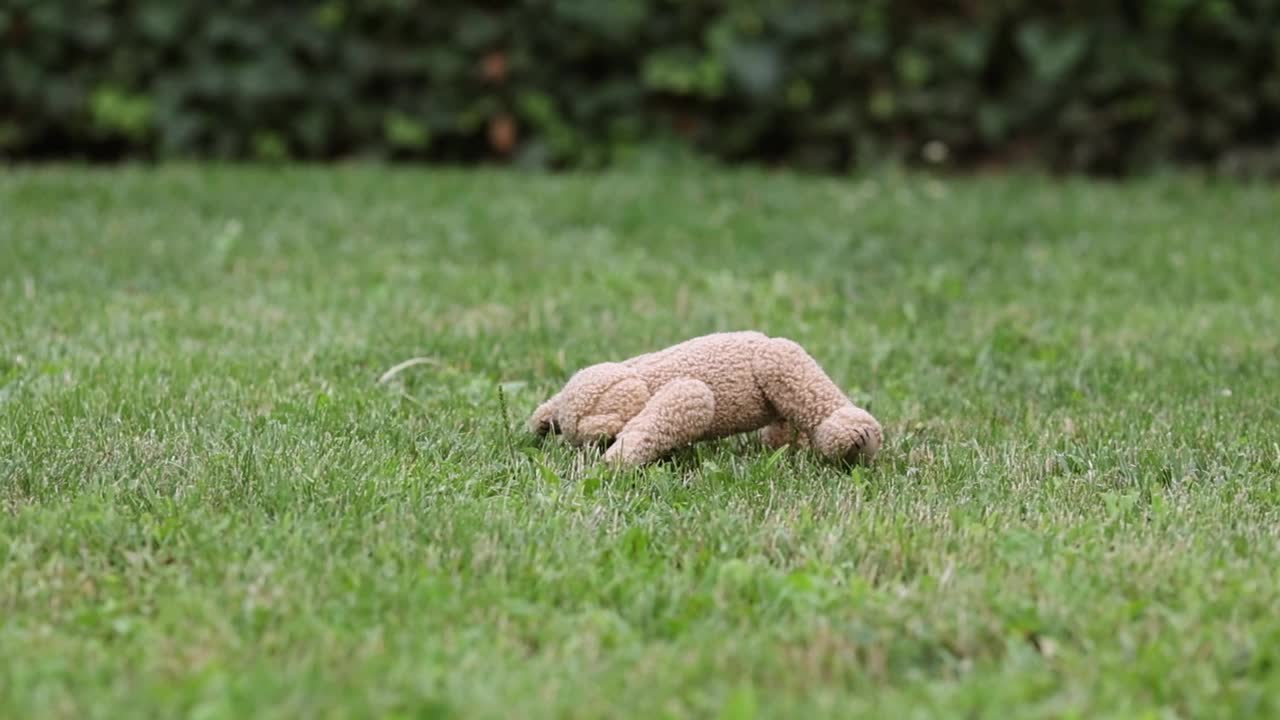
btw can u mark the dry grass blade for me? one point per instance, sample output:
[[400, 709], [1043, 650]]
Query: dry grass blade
[[401, 367]]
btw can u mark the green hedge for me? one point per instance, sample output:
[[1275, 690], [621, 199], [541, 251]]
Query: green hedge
[[1089, 86]]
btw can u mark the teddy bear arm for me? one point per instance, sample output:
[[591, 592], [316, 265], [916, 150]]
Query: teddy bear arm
[[679, 413]]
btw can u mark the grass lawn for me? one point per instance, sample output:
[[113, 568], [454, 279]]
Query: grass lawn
[[210, 507]]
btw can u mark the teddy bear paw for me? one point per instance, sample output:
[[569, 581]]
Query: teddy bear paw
[[849, 434], [626, 449]]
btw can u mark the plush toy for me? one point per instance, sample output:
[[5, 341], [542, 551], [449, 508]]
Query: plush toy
[[705, 388]]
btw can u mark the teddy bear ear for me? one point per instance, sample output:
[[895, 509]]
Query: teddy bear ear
[[627, 398], [600, 427]]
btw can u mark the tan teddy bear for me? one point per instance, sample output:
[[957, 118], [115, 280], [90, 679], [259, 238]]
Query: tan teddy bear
[[706, 388]]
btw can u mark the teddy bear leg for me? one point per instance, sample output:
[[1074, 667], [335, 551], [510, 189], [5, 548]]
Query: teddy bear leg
[[780, 433], [805, 396], [679, 413]]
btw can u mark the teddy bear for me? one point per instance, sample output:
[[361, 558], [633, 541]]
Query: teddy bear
[[707, 388]]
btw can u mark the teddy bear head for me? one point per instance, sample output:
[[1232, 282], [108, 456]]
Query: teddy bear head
[[598, 400]]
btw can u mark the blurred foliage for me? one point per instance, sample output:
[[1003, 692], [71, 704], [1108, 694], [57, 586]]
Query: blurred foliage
[[1107, 87]]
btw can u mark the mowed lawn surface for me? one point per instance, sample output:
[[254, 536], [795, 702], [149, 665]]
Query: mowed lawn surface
[[210, 507]]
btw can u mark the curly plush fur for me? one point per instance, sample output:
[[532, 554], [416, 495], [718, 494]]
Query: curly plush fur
[[707, 388]]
